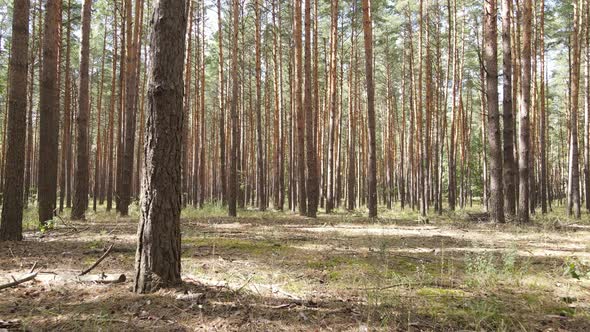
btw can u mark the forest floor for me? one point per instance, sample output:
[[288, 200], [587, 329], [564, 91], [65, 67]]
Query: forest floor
[[277, 271]]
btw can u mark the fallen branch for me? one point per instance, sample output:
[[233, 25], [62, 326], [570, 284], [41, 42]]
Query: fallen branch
[[98, 261], [95, 278], [25, 278], [65, 223], [33, 268]]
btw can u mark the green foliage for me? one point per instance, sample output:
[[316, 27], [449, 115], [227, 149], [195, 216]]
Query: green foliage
[[576, 269]]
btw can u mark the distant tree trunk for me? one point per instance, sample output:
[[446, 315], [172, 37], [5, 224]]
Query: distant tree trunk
[[507, 115], [333, 105], [312, 184], [221, 98], [351, 176], [496, 204], [49, 112], [30, 133], [81, 177], [12, 207], [233, 176], [573, 206], [110, 163], [298, 109], [279, 190], [186, 149], [157, 262], [130, 107], [372, 167], [543, 114], [98, 152], [66, 143], [260, 187], [524, 134]]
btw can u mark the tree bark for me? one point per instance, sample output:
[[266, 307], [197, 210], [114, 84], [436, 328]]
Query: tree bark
[[12, 207], [496, 203], [509, 167], [372, 166], [82, 161], [524, 129], [233, 176], [157, 261], [312, 184], [573, 204], [49, 115]]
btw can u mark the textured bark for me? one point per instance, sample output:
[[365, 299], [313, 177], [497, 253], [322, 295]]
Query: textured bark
[[351, 176], [221, 98], [111, 124], [543, 114], [65, 174], [525, 102], [509, 167], [496, 202], [12, 207], [573, 204], [158, 250], [233, 169], [312, 184], [130, 107], [372, 166], [279, 188], [81, 177], [49, 115], [260, 187], [298, 110], [333, 105], [587, 112]]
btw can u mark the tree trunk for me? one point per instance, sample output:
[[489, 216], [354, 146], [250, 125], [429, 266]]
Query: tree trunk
[[157, 261], [82, 160], [110, 164], [233, 176], [372, 166], [333, 104], [507, 115], [573, 205], [312, 184], [496, 203], [12, 207], [49, 115], [525, 101]]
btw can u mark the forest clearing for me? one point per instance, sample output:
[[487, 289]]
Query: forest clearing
[[276, 271], [296, 165]]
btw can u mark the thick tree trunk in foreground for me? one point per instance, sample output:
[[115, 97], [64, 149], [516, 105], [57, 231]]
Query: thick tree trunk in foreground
[[49, 114], [157, 261], [12, 207], [496, 202], [524, 130], [81, 180], [372, 167]]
